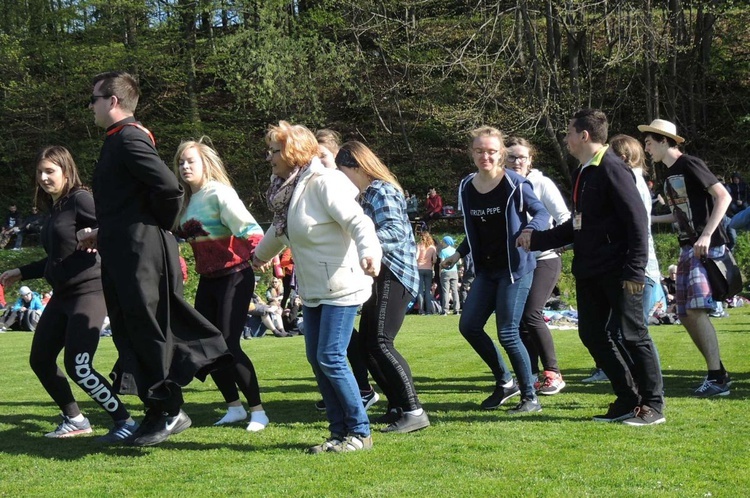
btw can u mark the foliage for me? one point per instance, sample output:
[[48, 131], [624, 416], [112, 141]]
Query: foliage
[[409, 78]]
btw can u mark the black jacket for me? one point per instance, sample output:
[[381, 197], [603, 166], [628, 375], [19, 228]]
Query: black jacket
[[68, 270], [614, 226]]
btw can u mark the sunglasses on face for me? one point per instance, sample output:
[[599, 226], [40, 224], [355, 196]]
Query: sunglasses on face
[[94, 98]]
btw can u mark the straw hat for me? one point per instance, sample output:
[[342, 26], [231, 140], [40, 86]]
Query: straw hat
[[662, 127]]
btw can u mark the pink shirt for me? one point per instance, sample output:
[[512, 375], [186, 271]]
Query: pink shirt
[[426, 257]]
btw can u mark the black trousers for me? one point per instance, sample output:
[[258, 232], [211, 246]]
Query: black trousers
[[535, 333], [224, 302], [599, 300], [382, 317], [73, 323]]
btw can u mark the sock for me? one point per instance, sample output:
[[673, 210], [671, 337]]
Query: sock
[[78, 418], [258, 421], [234, 414], [716, 375], [508, 384], [416, 413]]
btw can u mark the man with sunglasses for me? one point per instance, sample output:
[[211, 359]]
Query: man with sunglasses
[[161, 340]]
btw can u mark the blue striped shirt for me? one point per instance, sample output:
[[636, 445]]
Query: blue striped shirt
[[386, 206]]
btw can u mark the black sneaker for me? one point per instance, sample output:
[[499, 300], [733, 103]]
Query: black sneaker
[[527, 405], [501, 394], [369, 399], [157, 429], [408, 423], [645, 415], [390, 416], [320, 405], [122, 432], [617, 412]]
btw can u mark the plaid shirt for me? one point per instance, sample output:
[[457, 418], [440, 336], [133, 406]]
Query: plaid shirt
[[386, 206]]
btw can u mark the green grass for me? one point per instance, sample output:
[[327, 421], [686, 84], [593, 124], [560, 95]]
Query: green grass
[[702, 450]]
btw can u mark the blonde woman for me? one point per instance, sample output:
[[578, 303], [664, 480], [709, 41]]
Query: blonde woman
[[382, 199], [223, 235], [426, 258], [498, 204], [336, 252]]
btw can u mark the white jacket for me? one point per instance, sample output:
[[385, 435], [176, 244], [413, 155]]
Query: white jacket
[[328, 234], [547, 192]]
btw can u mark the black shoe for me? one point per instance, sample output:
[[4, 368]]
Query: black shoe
[[369, 398], [390, 416], [156, 430], [408, 423], [617, 412], [320, 405], [500, 396], [527, 405]]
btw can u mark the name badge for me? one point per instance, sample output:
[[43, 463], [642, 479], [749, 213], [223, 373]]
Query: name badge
[[577, 221]]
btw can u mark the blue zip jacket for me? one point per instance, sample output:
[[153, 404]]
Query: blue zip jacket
[[521, 201], [34, 304]]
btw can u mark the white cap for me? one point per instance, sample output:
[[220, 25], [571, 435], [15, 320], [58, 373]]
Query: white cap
[[24, 290]]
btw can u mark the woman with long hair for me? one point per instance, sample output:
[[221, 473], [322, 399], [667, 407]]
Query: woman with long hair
[[426, 258], [223, 235], [496, 204], [534, 331], [382, 199], [75, 313], [336, 252]]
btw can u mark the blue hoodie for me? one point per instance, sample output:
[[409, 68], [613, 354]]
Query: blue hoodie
[[521, 200]]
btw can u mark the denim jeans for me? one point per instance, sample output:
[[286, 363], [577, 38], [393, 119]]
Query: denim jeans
[[425, 291], [328, 329], [493, 291]]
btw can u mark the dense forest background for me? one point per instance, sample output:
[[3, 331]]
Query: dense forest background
[[409, 78]]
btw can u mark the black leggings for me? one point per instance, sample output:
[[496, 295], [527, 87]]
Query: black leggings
[[224, 302], [534, 331], [73, 323], [382, 316]]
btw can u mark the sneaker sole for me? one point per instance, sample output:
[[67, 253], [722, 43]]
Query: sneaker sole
[[722, 393], [641, 423], [613, 420], [52, 435], [554, 390]]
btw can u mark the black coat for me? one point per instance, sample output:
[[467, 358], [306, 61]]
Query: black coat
[[160, 338]]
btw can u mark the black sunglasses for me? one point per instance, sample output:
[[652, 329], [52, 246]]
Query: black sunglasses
[[94, 98]]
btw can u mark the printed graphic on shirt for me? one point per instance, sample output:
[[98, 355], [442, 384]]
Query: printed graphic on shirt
[[677, 197], [485, 214]]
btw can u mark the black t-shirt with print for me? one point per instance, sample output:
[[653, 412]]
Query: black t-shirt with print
[[487, 213], [686, 187]]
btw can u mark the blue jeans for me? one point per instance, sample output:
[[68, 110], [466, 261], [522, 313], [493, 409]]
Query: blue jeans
[[328, 329], [492, 291], [425, 291]]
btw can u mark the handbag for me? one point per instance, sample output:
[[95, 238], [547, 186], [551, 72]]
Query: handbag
[[724, 275]]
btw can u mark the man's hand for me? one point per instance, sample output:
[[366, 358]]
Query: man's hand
[[450, 260], [10, 277], [632, 287], [700, 248], [524, 240]]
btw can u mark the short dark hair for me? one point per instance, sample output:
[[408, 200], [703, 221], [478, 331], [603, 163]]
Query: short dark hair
[[122, 85], [594, 122], [658, 137]]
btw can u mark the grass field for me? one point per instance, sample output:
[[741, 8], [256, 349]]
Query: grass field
[[702, 450]]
